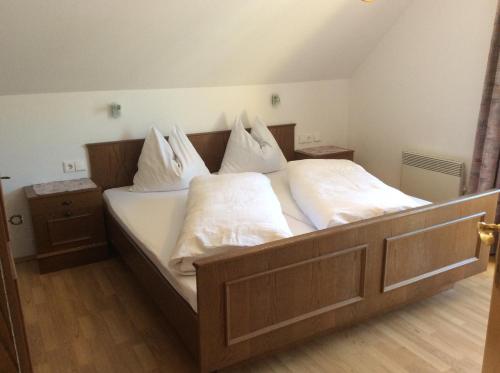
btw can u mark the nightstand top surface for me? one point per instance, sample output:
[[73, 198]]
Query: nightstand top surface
[[57, 188], [316, 151]]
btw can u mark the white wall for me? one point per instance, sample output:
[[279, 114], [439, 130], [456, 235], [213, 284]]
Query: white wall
[[74, 46], [420, 89], [38, 132]]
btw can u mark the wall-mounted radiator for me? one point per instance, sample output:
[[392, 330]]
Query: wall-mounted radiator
[[431, 178]]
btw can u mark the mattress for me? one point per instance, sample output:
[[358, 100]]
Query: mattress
[[154, 221]]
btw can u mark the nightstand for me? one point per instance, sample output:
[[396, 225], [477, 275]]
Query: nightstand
[[325, 152], [68, 223]]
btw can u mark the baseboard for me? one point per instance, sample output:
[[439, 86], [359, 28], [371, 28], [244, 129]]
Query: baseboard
[[22, 259]]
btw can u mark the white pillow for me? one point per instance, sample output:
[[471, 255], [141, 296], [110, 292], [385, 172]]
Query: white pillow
[[256, 152], [165, 166]]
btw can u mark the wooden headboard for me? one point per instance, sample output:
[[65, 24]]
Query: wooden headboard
[[114, 164]]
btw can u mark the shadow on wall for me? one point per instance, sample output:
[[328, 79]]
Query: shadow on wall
[[349, 42], [332, 18], [22, 236]]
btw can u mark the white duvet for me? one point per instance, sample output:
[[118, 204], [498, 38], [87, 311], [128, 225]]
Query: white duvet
[[333, 192], [227, 211]]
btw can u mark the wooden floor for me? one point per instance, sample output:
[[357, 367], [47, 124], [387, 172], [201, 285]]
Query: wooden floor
[[96, 319]]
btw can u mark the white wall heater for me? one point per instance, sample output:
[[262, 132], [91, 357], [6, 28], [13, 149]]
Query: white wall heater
[[431, 178]]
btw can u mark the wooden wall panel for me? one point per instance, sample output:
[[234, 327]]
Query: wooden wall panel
[[13, 342], [114, 164], [276, 298], [426, 252], [258, 299]]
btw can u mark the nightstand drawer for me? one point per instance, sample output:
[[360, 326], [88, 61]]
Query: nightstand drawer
[[72, 230], [66, 205], [57, 233]]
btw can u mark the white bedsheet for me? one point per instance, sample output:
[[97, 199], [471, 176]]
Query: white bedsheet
[[333, 192], [154, 221]]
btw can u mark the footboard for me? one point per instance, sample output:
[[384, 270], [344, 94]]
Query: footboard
[[254, 301]]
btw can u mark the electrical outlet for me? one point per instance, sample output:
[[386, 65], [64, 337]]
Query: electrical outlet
[[309, 138], [317, 137], [80, 165], [302, 139], [69, 166]]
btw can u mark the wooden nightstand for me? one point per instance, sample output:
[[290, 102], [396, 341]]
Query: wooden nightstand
[[68, 222], [324, 152]]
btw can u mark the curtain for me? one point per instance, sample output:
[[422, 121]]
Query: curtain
[[485, 168]]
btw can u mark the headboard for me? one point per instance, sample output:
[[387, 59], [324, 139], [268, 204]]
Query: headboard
[[114, 164]]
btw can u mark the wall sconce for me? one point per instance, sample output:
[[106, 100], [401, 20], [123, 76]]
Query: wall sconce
[[275, 99], [115, 110]]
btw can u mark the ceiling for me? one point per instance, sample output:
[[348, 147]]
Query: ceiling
[[75, 45]]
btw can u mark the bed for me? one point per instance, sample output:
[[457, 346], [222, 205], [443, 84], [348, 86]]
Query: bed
[[247, 303], [143, 217]]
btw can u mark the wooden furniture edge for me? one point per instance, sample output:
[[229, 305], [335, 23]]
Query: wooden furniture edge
[[30, 193], [174, 307], [231, 255], [11, 309], [338, 149], [114, 164], [221, 346]]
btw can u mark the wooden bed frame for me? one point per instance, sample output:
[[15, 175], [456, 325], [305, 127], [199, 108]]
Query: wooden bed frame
[[255, 301]]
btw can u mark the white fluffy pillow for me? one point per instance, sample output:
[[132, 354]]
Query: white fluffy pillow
[[256, 152], [165, 166]]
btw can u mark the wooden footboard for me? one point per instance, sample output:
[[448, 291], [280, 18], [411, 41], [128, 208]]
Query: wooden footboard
[[254, 301]]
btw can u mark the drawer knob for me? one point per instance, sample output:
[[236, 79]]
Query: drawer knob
[[67, 203], [68, 214]]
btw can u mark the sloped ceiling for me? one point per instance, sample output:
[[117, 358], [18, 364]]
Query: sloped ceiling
[[80, 45]]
